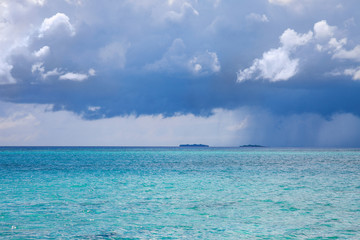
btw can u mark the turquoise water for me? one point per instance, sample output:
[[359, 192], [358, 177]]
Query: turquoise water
[[179, 193]]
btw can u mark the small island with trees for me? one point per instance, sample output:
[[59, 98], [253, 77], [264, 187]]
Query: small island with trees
[[251, 146], [193, 145]]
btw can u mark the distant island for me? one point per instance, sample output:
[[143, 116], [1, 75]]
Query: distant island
[[251, 145], [193, 145]]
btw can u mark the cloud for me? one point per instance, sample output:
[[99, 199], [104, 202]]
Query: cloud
[[78, 77], [175, 59], [257, 17], [75, 2], [34, 124], [171, 11], [185, 8], [92, 72], [323, 31], [17, 122], [276, 64], [188, 61], [15, 31], [281, 2], [298, 130], [94, 108], [204, 63], [291, 39], [5, 73], [337, 45], [114, 54], [19, 46], [56, 22], [341, 130], [243, 124], [42, 52], [37, 2], [307, 8], [350, 22], [38, 68], [354, 72], [74, 76], [353, 54]]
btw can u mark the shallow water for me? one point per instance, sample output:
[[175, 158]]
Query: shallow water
[[179, 193]]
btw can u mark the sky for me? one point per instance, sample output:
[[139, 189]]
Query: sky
[[279, 73]]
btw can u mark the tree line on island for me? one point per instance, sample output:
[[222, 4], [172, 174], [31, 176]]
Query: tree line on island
[[204, 145]]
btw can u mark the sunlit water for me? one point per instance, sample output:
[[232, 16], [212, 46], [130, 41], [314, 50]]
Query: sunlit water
[[179, 193]]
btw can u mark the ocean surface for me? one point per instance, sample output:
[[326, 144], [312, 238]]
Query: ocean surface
[[179, 193]]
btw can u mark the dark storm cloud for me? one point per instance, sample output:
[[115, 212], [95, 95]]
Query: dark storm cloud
[[171, 57]]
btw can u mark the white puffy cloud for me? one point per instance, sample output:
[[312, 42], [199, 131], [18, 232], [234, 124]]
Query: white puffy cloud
[[291, 39], [353, 54], [58, 21], [19, 24], [354, 72], [14, 34], [323, 31], [276, 64], [114, 54], [207, 62], [78, 77], [42, 52], [257, 17], [324, 35], [337, 45], [38, 68], [336, 48], [54, 72]]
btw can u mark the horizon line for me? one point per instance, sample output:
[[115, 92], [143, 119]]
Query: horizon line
[[178, 146]]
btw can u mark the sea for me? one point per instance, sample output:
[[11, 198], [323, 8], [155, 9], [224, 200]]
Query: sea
[[179, 193]]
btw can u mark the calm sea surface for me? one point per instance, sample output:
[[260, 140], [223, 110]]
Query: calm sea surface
[[179, 193]]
